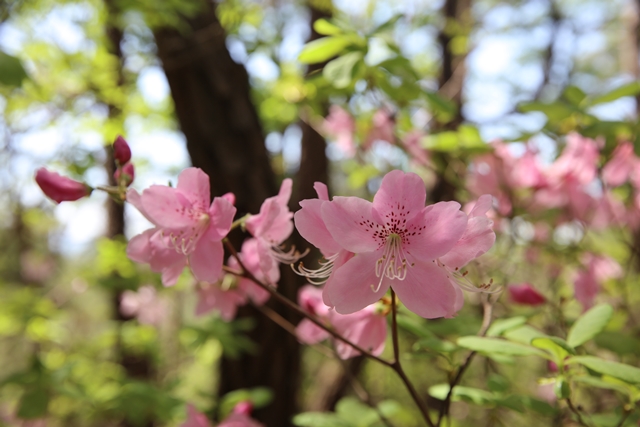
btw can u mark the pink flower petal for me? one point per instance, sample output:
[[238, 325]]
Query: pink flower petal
[[350, 222], [195, 418], [435, 230], [206, 260], [139, 248], [310, 333], [477, 239], [427, 291], [311, 227], [321, 190], [166, 207], [221, 213], [194, 183], [400, 192], [352, 286], [365, 328]]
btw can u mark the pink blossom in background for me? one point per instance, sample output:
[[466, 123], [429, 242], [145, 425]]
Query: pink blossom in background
[[340, 125], [397, 241], [60, 188], [225, 301], [382, 127], [121, 150], [411, 142], [195, 418], [145, 305], [367, 327], [588, 281], [240, 417], [187, 228], [525, 294], [622, 165], [250, 257], [271, 227], [490, 174]]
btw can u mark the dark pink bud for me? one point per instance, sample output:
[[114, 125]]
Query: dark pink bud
[[525, 294], [121, 150], [245, 407], [552, 366], [60, 188], [126, 173]]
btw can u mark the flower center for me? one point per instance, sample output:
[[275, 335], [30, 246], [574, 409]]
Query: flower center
[[393, 263]]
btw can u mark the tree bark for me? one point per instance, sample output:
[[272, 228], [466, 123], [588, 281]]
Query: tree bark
[[212, 100]]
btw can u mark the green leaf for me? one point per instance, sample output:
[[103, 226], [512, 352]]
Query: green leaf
[[627, 373], [340, 71], [436, 344], [618, 343], [601, 383], [524, 334], [557, 347], [324, 49], [499, 326], [320, 419], [496, 345], [326, 28], [630, 89], [33, 404], [355, 412], [258, 396], [574, 95], [467, 394], [414, 326], [12, 72], [589, 324]]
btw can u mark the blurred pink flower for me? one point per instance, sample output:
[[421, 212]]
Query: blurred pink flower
[[340, 125], [195, 418], [382, 127], [367, 327], [621, 166], [587, 282], [411, 142], [215, 297], [525, 294], [60, 188], [240, 417], [144, 304], [188, 228]]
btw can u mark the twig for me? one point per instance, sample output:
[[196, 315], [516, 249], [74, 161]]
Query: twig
[[293, 306], [573, 409], [396, 366], [487, 306]]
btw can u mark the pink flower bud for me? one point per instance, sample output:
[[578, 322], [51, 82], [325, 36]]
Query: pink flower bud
[[126, 173], [60, 188], [525, 294], [245, 407], [121, 150]]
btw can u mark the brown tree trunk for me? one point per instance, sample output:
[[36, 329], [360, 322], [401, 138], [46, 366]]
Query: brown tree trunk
[[451, 82], [212, 99]]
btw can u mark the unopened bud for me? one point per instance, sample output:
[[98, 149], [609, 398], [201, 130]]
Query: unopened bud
[[60, 188], [125, 175], [121, 150], [245, 407], [525, 294]]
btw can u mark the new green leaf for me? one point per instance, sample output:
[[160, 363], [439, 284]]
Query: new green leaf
[[589, 325]]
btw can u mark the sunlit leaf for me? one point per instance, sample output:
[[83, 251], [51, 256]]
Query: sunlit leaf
[[589, 324]]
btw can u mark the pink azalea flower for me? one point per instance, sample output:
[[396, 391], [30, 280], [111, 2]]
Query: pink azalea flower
[[250, 257], [340, 125], [312, 228], [188, 228], [195, 418], [411, 142], [382, 128], [271, 227], [397, 241], [525, 294], [144, 304], [60, 188], [240, 417], [367, 327], [222, 297], [587, 282]]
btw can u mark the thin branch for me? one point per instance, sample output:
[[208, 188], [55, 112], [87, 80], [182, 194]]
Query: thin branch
[[487, 306], [573, 409], [295, 307], [398, 367]]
